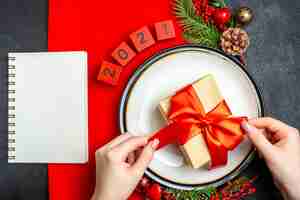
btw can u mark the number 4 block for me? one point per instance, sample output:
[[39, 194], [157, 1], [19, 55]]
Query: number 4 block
[[165, 30], [109, 73], [142, 38]]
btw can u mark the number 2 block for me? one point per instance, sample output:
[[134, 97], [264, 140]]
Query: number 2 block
[[109, 73], [123, 54], [142, 38], [165, 30]]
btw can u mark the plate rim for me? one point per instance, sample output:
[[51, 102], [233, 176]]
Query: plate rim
[[126, 94]]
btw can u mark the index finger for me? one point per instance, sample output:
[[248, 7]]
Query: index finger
[[272, 125], [117, 140], [128, 146]]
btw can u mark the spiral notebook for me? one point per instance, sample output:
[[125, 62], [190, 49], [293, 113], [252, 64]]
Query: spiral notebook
[[47, 107]]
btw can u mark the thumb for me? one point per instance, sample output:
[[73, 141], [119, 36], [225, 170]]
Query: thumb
[[258, 139], [145, 157]]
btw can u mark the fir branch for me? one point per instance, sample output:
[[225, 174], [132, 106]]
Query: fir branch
[[195, 194], [221, 3], [194, 28], [232, 22], [194, 37], [226, 2]]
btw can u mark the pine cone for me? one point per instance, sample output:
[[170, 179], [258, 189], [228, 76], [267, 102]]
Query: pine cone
[[235, 41]]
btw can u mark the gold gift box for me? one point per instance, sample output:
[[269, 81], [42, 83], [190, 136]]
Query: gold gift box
[[195, 150]]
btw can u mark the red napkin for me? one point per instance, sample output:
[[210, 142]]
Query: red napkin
[[98, 27]]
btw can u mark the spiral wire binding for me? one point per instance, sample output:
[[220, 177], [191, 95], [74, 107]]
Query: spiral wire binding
[[11, 109]]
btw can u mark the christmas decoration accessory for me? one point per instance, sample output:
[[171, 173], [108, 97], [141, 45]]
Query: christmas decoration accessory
[[144, 183], [244, 16], [195, 29], [136, 196], [214, 196], [197, 6], [238, 189], [235, 41], [222, 16], [216, 4], [232, 190], [150, 190], [154, 192], [196, 194], [166, 195], [205, 22]]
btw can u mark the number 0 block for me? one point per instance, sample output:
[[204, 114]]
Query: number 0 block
[[123, 54], [109, 73], [165, 30], [142, 38]]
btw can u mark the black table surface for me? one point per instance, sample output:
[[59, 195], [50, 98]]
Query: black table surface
[[273, 61]]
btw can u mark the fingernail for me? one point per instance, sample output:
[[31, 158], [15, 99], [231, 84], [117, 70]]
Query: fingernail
[[145, 140], [247, 127], [129, 134], [154, 143]]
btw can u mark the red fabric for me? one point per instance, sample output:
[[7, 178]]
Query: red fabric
[[99, 26], [221, 131]]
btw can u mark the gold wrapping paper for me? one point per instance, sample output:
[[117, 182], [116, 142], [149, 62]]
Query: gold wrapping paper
[[195, 150]]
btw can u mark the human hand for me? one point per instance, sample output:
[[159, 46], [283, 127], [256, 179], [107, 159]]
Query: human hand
[[279, 144], [117, 171]]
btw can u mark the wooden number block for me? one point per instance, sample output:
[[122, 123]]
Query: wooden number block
[[165, 30], [123, 54], [142, 38], [109, 73]]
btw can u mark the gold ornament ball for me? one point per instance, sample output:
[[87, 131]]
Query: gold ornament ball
[[244, 15]]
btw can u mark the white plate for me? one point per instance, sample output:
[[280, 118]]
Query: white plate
[[161, 76]]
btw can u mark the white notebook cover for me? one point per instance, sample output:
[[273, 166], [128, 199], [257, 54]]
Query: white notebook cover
[[47, 111]]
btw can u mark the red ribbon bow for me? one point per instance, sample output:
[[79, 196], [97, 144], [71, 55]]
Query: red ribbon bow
[[187, 117]]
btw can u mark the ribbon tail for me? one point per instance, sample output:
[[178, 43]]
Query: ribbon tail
[[218, 152], [167, 135]]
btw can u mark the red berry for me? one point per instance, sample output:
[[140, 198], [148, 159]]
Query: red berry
[[247, 184], [154, 192], [215, 197], [144, 182], [252, 190], [210, 10], [136, 196], [139, 189], [167, 195], [224, 193], [222, 16]]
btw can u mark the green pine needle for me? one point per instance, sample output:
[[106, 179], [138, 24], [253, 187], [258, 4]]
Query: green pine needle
[[226, 2], [193, 194], [194, 28]]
